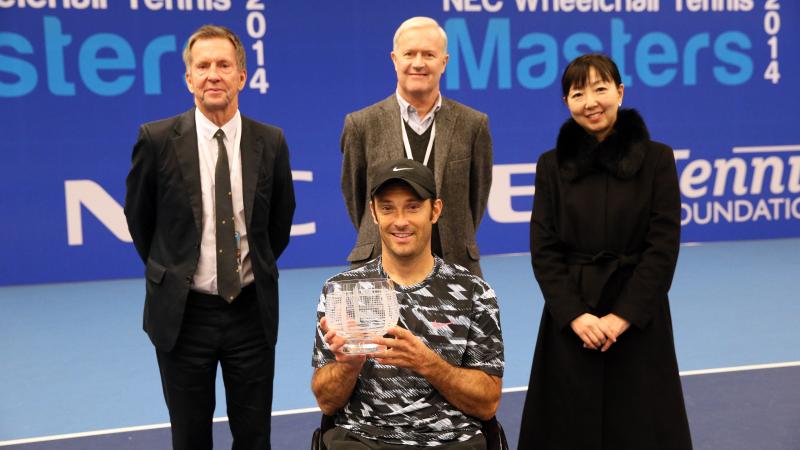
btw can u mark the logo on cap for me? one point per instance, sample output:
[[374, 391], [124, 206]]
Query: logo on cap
[[398, 169]]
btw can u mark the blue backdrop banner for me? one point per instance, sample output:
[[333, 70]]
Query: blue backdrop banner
[[716, 79]]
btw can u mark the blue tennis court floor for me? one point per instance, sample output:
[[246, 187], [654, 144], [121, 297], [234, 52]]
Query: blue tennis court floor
[[76, 362]]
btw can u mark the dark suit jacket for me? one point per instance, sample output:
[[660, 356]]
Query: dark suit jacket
[[463, 172], [163, 208]]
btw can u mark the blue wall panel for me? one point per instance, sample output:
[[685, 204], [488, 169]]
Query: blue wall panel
[[717, 80]]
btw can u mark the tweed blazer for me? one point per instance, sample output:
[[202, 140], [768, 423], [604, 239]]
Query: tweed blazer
[[462, 169]]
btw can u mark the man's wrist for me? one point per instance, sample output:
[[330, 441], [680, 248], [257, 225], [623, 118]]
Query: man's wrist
[[350, 368], [433, 365]]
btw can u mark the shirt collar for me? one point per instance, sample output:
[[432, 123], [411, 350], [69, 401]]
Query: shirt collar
[[207, 128], [437, 263], [406, 110]]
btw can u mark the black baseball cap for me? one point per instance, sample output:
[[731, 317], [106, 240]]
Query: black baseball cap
[[413, 173]]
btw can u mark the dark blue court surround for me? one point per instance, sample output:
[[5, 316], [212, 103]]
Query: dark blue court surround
[[755, 409]]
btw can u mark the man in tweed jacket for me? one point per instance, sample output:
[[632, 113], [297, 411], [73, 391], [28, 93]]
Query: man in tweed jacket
[[416, 122]]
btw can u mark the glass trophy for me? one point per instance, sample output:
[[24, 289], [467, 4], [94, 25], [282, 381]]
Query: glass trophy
[[360, 311]]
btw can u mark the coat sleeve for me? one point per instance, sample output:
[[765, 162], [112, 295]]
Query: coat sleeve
[[282, 204], [548, 253], [141, 187], [354, 171], [481, 171], [652, 277]]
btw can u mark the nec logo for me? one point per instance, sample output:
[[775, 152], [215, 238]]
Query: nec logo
[[91, 196]]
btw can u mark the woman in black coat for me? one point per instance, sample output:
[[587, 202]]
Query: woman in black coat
[[605, 234]]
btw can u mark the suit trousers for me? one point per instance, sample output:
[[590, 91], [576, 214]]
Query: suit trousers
[[231, 335]]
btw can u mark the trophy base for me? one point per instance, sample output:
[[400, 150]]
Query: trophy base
[[362, 348]]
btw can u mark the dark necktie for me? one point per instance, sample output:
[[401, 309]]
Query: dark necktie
[[228, 284]]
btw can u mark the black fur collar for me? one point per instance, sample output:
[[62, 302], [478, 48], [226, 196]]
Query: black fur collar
[[621, 153]]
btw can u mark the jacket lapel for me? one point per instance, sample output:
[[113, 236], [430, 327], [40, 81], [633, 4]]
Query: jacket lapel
[[392, 134], [251, 147], [445, 125], [185, 144]]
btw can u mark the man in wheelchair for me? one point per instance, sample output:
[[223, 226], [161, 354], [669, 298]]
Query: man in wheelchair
[[441, 375]]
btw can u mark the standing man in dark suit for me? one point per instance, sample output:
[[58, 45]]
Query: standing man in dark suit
[[209, 205], [416, 122]]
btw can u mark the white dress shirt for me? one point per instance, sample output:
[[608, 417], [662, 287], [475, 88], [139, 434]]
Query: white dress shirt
[[205, 278], [411, 116]]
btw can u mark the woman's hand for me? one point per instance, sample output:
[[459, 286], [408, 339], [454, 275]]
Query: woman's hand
[[616, 326], [593, 332]]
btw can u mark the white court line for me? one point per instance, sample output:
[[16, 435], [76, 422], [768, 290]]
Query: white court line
[[156, 426], [515, 389], [287, 412], [58, 437], [767, 149], [515, 254], [688, 373]]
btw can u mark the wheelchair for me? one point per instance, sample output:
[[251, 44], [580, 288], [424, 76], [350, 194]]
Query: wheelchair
[[491, 429]]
